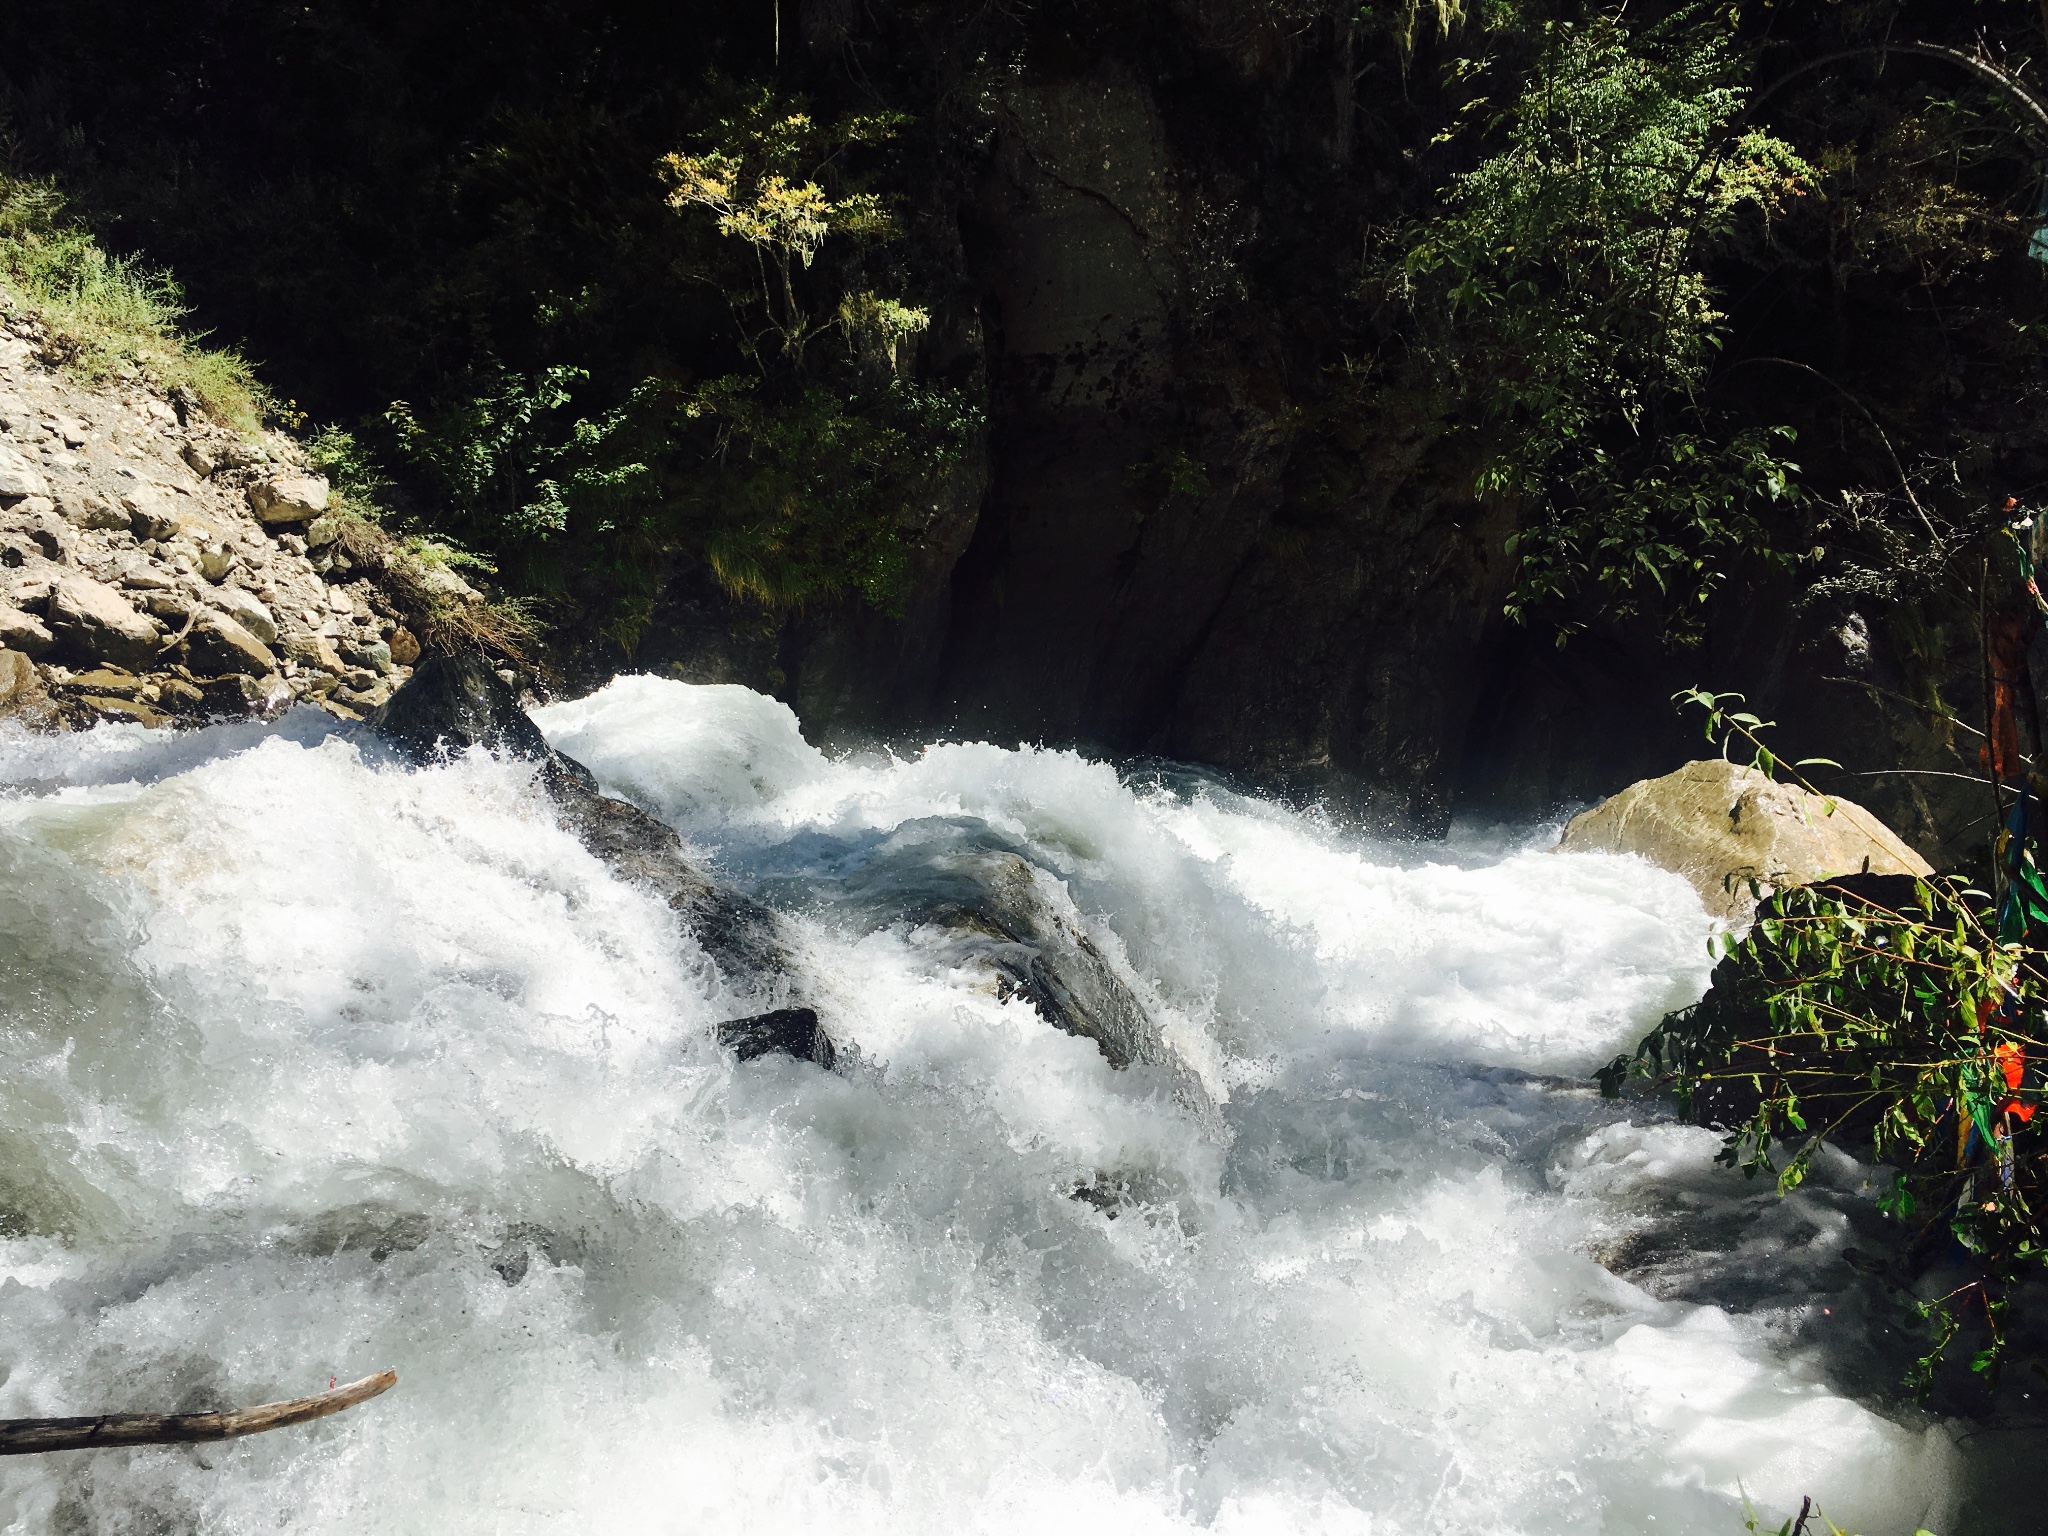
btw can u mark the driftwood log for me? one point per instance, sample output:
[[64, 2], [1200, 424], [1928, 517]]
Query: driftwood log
[[23, 1437]]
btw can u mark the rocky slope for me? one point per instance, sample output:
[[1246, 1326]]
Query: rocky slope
[[156, 565]]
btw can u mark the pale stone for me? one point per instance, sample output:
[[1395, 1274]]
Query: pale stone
[[442, 582], [24, 632], [18, 478], [139, 573], [247, 611], [289, 498], [157, 514], [99, 621], [315, 651], [1722, 826], [86, 509]]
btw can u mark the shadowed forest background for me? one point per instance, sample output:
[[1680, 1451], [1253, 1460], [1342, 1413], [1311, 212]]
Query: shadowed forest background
[[1394, 401]]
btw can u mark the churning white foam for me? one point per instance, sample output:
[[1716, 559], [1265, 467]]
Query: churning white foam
[[315, 1064]]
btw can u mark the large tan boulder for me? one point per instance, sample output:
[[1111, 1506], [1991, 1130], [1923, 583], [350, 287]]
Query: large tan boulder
[[1721, 826]]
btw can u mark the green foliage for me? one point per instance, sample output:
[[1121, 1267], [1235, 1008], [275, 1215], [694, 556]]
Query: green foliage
[[1902, 1016], [1564, 293], [492, 451], [804, 499], [361, 488], [762, 179], [111, 314], [1810, 1521], [1674, 525]]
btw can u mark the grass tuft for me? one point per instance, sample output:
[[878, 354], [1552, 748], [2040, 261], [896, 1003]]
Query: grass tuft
[[109, 316]]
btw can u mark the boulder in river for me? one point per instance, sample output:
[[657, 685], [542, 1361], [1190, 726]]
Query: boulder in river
[[1723, 826], [957, 884], [791, 1031]]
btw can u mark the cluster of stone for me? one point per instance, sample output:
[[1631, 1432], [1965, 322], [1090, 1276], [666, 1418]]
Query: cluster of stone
[[154, 564]]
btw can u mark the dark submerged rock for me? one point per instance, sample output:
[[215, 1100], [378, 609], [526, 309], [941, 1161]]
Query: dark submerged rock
[[456, 701], [957, 884], [792, 1031]]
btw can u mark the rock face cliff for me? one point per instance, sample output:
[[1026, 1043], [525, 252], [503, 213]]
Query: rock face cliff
[[1185, 537], [1195, 534]]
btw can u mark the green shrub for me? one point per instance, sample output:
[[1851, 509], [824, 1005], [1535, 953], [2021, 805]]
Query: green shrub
[[1896, 1015], [1561, 290]]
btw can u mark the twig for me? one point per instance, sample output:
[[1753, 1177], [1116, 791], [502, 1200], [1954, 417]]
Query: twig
[[24, 1437], [1905, 484]]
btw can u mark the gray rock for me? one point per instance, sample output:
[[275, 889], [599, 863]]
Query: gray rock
[[137, 572], [90, 617], [236, 454], [200, 458], [453, 703], [216, 562], [172, 607], [155, 513], [219, 644], [18, 680], [314, 652], [53, 536], [18, 478], [149, 514], [88, 509], [247, 611], [375, 655], [24, 632], [289, 498], [789, 1031]]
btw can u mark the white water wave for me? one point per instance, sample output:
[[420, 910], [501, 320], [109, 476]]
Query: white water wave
[[315, 1065]]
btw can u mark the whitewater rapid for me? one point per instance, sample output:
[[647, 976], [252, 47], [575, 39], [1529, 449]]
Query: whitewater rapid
[[316, 1064]]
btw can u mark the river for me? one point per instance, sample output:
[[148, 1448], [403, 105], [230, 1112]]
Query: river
[[317, 1064]]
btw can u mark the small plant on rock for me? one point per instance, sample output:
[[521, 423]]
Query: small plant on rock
[[1902, 1016]]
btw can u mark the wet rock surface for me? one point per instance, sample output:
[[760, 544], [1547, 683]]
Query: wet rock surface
[[454, 702], [960, 887], [153, 566], [790, 1031]]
